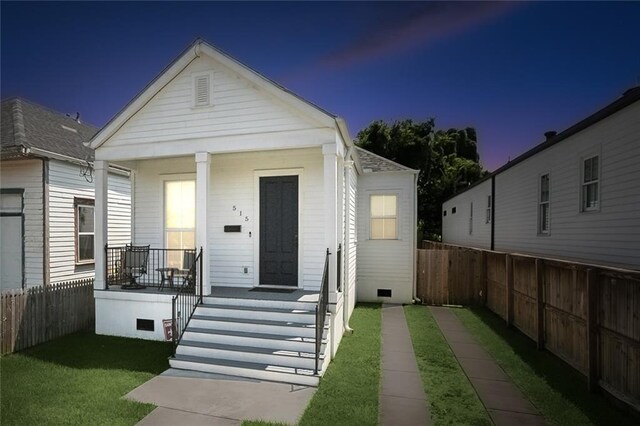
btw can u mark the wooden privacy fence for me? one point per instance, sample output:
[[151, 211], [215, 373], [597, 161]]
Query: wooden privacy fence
[[587, 315], [39, 314]]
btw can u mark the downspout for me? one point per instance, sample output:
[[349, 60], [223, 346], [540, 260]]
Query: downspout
[[45, 222], [415, 236], [493, 212], [348, 164]]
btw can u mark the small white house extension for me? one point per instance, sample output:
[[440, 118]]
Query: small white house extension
[[46, 205], [271, 197], [575, 196]]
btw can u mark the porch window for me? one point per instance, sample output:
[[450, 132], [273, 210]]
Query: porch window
[[85, 230], [179, 218], [384, 217]]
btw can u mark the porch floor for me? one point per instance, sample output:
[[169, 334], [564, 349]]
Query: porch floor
[[148, 290], [246, 293]]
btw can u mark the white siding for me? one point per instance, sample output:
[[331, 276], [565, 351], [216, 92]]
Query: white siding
[[27, 174], [238, 107], [610, 235], [65, 184], [386, 264], [233, 184], [455, 226]]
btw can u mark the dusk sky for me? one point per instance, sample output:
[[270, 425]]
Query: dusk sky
[[511, 70]]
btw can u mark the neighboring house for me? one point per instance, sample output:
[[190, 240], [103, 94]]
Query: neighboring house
[[264, 185], [46, 204], [575, 196]]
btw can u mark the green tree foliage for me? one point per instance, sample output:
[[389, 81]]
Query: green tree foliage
[[448, 161]]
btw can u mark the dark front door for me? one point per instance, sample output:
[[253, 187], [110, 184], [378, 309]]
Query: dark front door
[[279, 230]]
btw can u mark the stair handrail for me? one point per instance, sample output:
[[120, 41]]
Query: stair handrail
[[186, 300], [321, 309]]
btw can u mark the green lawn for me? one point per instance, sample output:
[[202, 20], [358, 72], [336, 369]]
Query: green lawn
[[451, 396], [557, 390], [79, 379]]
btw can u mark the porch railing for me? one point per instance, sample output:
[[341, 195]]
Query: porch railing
[[321, 309], [185, 302], [161, 268]]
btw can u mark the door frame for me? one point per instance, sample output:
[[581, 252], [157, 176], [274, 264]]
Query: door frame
[[22, 226], [257, 174]]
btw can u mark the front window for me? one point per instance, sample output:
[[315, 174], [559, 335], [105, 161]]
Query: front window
[[384, 217], [85, 230], [544, 205], [179, 219], [590, 184]]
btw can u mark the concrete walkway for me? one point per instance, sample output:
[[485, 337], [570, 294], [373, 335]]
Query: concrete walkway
[[402, 398], [190, 398], [503, 400]]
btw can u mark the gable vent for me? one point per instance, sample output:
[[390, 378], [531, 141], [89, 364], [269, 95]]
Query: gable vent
[[202, 85]]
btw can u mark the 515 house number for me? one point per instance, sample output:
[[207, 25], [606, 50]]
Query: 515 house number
[[235, 209]]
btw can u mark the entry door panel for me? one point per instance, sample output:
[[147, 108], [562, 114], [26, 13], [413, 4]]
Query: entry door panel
[[279, 230]]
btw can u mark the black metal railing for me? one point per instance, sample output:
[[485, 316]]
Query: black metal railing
[[321, 309], [185, 302], [339, 268], [139, 266]]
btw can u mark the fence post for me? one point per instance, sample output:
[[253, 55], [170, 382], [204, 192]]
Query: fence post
[[540, 303], [592, 329], [509, 287]]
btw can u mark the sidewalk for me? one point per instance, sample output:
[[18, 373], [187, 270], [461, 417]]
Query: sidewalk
[[503, 400], [402, 398]]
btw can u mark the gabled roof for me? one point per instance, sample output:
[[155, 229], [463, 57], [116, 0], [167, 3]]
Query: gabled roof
[[195, 50], [375, 163], [29, 127]]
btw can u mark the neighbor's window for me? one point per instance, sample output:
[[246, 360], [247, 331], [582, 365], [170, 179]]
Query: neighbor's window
[[471, 219], [544, 207], [85, 230], [488, 219], [384, 217], [179, 218], [590, 184]]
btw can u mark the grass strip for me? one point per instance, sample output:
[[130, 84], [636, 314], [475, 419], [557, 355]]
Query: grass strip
[[79, 379], [558, 391], [452, 398]]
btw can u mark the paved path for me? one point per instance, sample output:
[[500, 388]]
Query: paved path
[[503, 400], [190, 398], [402, 398]]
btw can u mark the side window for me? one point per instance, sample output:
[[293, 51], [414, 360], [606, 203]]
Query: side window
[[85, 231], [591, 184], [544, 207], [384, 217]]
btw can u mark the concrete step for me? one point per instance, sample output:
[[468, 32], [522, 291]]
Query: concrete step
[[259, 313], [260, 303], [298, 376], [249, 338], [284, 328], [251, 354]]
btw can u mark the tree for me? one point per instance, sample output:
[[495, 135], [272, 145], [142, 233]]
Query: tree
[[448, 161]]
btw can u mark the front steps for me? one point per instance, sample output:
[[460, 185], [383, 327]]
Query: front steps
[[253, 338]]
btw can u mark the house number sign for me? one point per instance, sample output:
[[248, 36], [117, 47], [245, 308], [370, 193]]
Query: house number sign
[[235, 209]]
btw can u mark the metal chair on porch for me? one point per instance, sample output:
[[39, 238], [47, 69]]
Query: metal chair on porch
[[188, 270], [133, 263]]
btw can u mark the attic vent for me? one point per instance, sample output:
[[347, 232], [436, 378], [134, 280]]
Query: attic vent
[[202, 90], [69, 128]]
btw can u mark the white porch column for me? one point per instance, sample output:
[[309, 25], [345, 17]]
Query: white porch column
[[101, 178], [330, 154], [203, 175]]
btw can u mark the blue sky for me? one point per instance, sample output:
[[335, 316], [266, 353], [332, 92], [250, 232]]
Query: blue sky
[[511, 70]]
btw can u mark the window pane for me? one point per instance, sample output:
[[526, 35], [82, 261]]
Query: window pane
[[377, 229], [85, 219], [587, 170], [594, 168], [544, 188], [180, 204], [377, 205], [544, 218], [11, 203], [85, 247], [389, 205], [389, 226]]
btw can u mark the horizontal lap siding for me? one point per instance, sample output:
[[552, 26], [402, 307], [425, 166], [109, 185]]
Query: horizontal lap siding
[[386, 264], [238, 108], [65, 184], [455, 227], [27, 175], [611, 235], [352, 234]]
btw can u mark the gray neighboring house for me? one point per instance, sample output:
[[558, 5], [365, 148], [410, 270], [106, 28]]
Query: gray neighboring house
[[574, 196], [46, 203]]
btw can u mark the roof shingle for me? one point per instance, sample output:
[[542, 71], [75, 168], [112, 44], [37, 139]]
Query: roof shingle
[[375, 163]]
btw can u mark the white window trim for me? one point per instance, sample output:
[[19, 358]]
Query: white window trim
[[598, 181], [163, 179], [542, 232], [77, 203], [194, 78], [398, 198]]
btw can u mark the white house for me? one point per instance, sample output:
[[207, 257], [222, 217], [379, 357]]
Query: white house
[[575, 196], [46, 204], [270, 189]]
